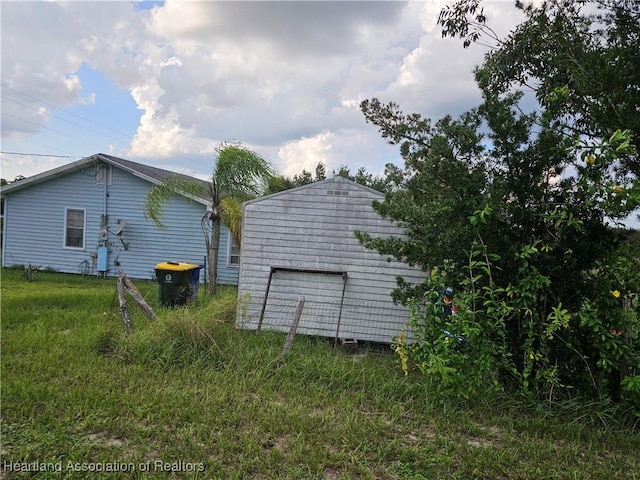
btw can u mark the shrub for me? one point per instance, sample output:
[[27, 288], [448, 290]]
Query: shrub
[[513, 337]]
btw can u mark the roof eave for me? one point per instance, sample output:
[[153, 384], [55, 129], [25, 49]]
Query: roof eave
[[336, 179], [149, 179], [64, 169], [49, 174]]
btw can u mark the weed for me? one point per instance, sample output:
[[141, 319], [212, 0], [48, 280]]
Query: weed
[[191, 391]]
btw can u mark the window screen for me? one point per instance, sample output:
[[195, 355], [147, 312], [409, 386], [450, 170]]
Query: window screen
[[74, 228], [234, 252]]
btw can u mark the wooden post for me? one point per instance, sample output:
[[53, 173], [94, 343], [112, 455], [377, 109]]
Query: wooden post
[[266, 297], [294, 327], [128, 284], [123, 307], [31, 272], [344, 287]]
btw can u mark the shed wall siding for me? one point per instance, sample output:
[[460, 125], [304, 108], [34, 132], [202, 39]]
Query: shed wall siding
[[308, 229], [35, 228]]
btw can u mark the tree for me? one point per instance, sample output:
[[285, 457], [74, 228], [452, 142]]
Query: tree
[[278, 183], [321, 172], [388, 182], [303, 178], [380, 183], [533, 261], [516, 209], [580, 58], [443, 184], [238, 175]]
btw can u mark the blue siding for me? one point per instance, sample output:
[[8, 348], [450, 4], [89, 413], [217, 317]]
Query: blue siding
[[227, 274], [35, 228]]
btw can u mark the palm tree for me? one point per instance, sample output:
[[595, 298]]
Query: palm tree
[[239, 174]]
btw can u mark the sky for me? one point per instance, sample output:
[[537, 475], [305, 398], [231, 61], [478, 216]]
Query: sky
[[165, 83]]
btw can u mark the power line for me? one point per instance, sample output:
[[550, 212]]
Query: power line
[[52, 129], [4, 85], [45, 146], [144, 145], [36, 154], [73, 159], [65, 120]]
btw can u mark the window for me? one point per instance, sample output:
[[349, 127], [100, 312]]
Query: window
[[234, 252], [74, 228]]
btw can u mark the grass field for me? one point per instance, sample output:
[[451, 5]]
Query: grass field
[[190, 396]]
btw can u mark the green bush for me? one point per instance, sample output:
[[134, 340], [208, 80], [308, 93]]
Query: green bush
[[511, 337]]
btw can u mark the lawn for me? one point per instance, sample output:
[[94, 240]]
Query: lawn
[[189, 396]]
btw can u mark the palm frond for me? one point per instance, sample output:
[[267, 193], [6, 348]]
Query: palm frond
[[159, 195], [231, 216], [240, 172]]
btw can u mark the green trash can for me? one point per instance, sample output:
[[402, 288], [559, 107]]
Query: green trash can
[[178, 283]]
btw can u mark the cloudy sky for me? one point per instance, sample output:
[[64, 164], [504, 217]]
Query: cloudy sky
[[164, 83]]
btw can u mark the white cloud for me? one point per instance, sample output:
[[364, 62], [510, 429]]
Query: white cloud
[[306, 153], [43, 47], [286, 78], [353, 148]]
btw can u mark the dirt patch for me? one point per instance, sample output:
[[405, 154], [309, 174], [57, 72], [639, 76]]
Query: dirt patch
[[330, 474], [104, 440], [476, 442], [425, 435]]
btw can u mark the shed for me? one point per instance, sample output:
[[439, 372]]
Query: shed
[[301, 242], [88, 217]]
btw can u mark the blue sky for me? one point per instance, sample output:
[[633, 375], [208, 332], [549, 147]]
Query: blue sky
[[76, 128]]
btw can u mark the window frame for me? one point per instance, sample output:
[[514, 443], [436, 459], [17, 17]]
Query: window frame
[[231, 244], [66, 228]]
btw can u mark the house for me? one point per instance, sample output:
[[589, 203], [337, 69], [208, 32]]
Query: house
[[88, 217], [301, 243]]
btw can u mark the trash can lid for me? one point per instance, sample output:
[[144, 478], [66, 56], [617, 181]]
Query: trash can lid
[[176, 266]]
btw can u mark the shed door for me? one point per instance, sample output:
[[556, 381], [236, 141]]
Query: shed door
[[322, 293]]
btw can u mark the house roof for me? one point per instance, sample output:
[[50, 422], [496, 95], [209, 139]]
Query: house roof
[[146, 172], [338, 180]]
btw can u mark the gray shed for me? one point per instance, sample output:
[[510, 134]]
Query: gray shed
[[301, 242]]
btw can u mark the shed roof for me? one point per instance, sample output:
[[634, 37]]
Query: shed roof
[[315, 185], [146, 172]]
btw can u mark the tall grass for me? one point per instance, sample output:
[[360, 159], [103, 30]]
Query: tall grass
[[191, 388]]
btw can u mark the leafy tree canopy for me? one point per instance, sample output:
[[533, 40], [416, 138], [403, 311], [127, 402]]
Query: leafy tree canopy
[[4, 181], [579, 57], [519, 208]]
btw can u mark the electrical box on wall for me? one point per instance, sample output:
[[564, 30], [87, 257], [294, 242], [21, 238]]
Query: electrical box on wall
[[103, 262], [103, 174]]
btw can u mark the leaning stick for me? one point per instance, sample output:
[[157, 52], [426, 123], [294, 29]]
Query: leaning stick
[[123, 307], [148, 311], [294, 327]]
